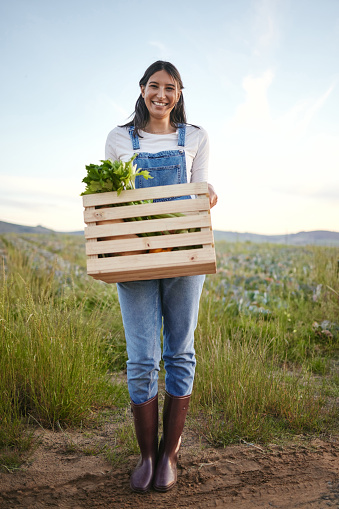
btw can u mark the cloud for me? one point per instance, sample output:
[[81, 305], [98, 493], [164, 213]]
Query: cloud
[[33, 188], [56, 213], [52, 202], [255, 111], [293, 124], [265, 25], [25, 205], [312, 108], [326, 192], [276, 170]]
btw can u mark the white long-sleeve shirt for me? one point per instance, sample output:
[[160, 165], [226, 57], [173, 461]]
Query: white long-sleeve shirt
[[119, 146]]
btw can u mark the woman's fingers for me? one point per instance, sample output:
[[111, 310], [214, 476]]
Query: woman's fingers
[[213, 195]]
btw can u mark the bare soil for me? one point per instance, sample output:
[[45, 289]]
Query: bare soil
[[66, 471]]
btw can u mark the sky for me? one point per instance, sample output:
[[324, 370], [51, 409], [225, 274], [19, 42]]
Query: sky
[[261, 76]]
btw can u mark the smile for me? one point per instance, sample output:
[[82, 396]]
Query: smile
[[159, 104]]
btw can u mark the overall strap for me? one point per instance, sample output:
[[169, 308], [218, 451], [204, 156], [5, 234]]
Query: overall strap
[[134, 139], [181, 135]]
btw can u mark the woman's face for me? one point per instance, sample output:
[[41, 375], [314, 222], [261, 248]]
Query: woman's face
[[160, 94]]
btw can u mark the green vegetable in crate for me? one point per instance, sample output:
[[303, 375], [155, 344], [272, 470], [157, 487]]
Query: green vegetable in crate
[[118, 176], [112, 176]]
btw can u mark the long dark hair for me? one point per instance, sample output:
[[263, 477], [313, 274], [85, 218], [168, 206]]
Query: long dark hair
[[141, 114]]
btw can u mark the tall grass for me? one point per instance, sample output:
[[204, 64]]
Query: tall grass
[[268, 327], [255, 368], [53, 360], [244, 393]]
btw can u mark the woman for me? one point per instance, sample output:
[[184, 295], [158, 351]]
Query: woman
[[167, 147]]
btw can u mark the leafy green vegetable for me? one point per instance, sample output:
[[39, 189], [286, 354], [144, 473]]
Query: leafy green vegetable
[[112, 176], [118, 176]]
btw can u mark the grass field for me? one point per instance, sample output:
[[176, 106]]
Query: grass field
[[266, 343]]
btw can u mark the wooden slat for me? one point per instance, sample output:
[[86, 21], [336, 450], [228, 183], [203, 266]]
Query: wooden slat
[[204, 229], [94, 240], [150, 225], [146, 243], [157, 273], [134, 259], [170, 260], [148, 193], [149, 209]]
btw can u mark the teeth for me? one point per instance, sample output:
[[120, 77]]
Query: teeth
[[159, 104]]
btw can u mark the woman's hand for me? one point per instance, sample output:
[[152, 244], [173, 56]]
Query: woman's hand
[[213, 196]]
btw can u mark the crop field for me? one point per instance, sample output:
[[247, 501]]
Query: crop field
[[266, 344]]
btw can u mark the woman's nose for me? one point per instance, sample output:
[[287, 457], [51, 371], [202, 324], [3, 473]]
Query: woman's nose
[[161, 92]]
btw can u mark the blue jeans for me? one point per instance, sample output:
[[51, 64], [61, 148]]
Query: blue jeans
[[146, 306]]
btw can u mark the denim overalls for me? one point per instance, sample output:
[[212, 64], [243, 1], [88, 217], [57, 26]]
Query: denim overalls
[[173, 303], [166, 167]]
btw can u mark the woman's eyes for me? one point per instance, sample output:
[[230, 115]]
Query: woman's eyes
[[169, 89]]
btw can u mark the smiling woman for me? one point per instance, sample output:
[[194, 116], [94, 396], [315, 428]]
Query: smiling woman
[[171, 150]]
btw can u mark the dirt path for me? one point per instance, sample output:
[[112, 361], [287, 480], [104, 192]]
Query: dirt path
[[302, 475]]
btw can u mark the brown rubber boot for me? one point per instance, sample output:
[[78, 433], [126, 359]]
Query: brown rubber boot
[[174, 416], [146, 428]]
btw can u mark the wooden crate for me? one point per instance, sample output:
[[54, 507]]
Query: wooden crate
[[115, 250]]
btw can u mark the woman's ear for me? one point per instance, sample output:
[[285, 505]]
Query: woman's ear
[[142, 88]]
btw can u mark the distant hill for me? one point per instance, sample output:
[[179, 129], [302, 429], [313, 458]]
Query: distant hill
[[18, 228], [319, 237]]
